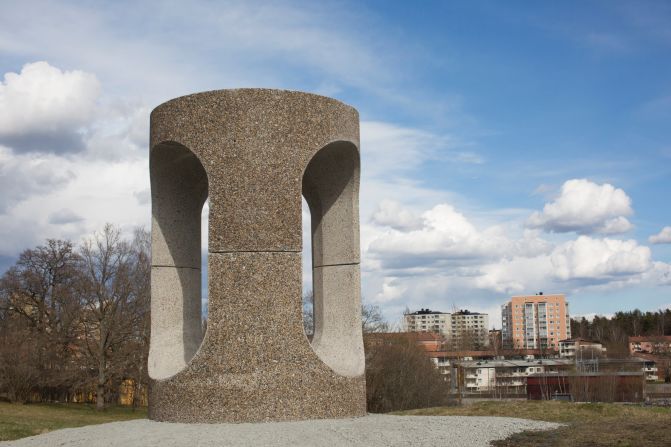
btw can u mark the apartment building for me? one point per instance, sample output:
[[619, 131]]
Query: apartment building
[[535, 321], [506, 376], [427, 320], [656, 344], [463, 330], [647, 367], [469, 330], [581, 348]]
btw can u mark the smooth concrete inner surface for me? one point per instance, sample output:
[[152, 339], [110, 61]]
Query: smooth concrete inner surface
[[176, 331], [331, 189], [179, 190], [254, 153], [337, 338]]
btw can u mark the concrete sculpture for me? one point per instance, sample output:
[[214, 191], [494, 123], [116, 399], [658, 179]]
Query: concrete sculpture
[[254, 152]]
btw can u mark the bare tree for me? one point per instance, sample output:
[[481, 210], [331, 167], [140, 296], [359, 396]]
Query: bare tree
[[495, 341], [308, 314], [19, 360], [372, 319], [400, 376], [39, 291], [114, 305], [138, 346], [467, 339]]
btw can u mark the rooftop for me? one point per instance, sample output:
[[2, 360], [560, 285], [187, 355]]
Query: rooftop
[[579, 340], [467, 312], [651, 338], [515, 363], [425, 312]]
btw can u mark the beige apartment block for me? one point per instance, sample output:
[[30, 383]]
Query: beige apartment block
[[535, 321], [427, 320], [470, 330], [463, 330]]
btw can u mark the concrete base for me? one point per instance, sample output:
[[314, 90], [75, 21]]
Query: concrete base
[[281, 378]]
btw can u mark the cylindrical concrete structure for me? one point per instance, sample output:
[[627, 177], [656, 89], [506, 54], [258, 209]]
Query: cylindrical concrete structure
[[254, 153]]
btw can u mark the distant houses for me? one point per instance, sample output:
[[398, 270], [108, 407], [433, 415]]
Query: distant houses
[[533, 355]]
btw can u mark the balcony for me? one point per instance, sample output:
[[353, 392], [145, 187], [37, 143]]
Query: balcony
[[511, 374], [510, 383]]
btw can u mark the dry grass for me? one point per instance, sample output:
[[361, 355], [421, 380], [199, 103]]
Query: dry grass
[[587, 424], [18, 421]]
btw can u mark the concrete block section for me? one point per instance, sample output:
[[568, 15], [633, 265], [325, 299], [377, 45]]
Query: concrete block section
[[178, 191], [255, 309], [338, 339], [176, 330], [331, 189]]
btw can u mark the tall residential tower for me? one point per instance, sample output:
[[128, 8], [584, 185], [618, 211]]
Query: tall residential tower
[[535, 321]]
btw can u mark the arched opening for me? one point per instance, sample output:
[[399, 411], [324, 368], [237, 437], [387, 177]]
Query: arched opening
[[331, 190], [179, 189]]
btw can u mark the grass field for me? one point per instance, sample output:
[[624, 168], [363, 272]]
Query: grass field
[[19, 421], [587, 424]]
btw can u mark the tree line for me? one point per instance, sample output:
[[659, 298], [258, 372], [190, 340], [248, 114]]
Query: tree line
[[74, 320], [74, 326], [614, 332]]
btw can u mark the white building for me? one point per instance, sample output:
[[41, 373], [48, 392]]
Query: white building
[[469, 330], [507, 376], [572, 347], [464, 330], [427, 320]]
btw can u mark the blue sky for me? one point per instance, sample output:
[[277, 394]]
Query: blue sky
[[507, 147]]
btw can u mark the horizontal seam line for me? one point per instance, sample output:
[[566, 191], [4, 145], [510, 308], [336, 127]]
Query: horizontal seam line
[[335, 265], [175, 266], [257, 251]]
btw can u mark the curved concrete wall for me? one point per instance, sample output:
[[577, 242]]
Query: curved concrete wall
[[331, 189], [179, 190], [255, 152]]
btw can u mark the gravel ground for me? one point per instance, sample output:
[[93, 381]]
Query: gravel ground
[[372, 430]]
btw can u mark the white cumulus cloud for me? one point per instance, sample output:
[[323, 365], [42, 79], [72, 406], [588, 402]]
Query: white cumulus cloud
[[589, 258], [392, 290], [64, 216], [392, 214], [442, 237], [445, 235], [663, 237], [43, 109], [25, 175], [441, 250], [586, 208]]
